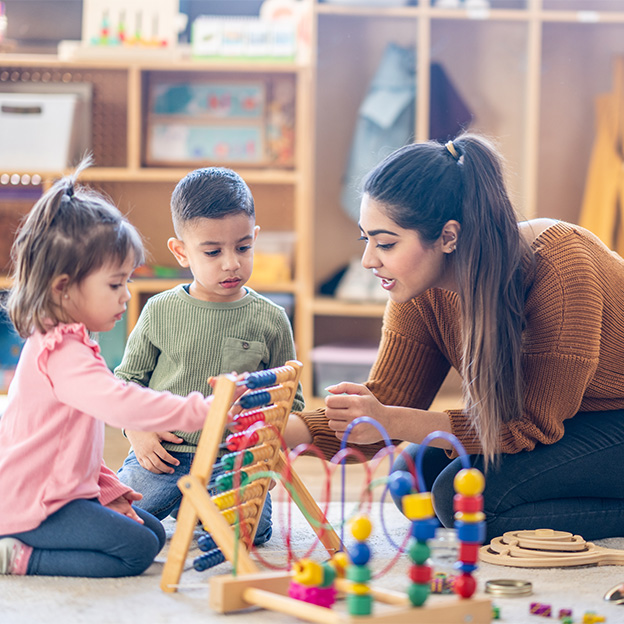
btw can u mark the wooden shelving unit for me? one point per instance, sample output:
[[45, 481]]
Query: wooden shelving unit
[[529, 70]]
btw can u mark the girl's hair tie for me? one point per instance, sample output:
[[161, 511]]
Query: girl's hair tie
[[452, 150]]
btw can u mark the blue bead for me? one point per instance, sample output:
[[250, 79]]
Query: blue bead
[[208, 560], [465, 567], [400, 483], [255, 399], [471, 533], [424, 530], [206, 543], [359, 553], [260, 379]]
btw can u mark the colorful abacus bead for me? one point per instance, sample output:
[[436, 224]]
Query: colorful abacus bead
[[313, 582], [208, 560], [359, 598], [470, 526]]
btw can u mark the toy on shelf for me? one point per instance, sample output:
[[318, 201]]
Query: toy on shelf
[[126, 28], [308, 589], [147, 23], [546, 548]]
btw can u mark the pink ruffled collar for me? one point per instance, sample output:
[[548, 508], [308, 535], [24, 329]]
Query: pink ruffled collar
[[56, 336]]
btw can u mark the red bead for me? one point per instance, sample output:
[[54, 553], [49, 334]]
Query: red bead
[[465, 585], [420, 574], [468, 504], [468, 552]]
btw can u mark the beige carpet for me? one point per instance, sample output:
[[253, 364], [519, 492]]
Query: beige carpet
[[138, 600]]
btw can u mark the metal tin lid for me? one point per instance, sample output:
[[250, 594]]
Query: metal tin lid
[[508, 588]]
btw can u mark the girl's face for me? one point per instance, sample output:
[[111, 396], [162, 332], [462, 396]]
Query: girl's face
[[398, 257], [99, 301]]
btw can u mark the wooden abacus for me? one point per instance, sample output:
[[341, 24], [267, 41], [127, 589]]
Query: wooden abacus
[[277, 389]]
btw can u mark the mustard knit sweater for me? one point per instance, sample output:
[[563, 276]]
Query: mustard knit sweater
[[572, 355]]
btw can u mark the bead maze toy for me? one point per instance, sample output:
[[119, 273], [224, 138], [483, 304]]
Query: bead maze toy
[[309, 590], [256, 453], [547, 548]]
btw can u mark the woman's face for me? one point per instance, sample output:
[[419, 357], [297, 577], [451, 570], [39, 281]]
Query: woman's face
[[398, 257]]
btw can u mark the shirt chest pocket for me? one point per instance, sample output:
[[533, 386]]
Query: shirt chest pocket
[[242, 356]]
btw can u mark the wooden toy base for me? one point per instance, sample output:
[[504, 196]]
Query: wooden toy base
[[270, 591]]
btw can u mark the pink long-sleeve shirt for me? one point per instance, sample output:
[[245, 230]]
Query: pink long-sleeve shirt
[[52, 432]]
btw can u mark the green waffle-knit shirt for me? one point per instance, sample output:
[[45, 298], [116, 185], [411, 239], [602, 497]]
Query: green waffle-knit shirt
[[179, 342]]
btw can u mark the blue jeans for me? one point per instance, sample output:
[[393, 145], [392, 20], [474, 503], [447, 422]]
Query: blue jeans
[[84, 538], [162, 497], [574, 485]]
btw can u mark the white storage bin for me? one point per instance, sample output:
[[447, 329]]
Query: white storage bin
[[338, 362], [36, 131]]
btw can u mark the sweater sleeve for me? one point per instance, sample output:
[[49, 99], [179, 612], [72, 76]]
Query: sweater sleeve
[[82, 381], [408, 371], [140, 354], [110, 485], [561, 351]]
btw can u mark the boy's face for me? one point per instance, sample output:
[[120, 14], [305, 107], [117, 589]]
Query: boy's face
[[219, 253]]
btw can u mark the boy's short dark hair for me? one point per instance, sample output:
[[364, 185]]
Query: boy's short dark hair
[[209, 193]]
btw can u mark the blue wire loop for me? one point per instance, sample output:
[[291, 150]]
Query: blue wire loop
[[449, 437]]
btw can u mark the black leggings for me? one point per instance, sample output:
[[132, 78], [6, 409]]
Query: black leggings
[[574, 485]]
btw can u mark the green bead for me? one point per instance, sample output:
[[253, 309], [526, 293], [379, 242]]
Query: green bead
[[418, 593], [359, 605], [329, 574], [418, 552], [358, 574]]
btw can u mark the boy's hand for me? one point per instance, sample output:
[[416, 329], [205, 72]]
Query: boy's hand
[[149, 451], [123, 505]]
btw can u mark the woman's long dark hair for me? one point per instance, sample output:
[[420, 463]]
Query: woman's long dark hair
[[425, 185]]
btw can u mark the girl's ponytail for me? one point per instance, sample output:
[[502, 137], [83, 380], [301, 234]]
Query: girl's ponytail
[[70, 231]]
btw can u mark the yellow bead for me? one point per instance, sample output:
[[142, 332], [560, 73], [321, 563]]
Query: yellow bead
[[360, 589], [340, 561], [469, 482], [307, 572], [361, 528], [418, 506], [470, 518]]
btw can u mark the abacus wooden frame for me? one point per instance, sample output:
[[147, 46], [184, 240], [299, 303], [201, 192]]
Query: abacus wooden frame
[[196, 501]]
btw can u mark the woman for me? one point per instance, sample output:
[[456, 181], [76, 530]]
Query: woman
[[529, 313]]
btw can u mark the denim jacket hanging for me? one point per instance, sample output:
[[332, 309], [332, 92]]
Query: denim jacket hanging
[[385, 120]]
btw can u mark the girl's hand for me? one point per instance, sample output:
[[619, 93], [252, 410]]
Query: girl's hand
[[123, 505], [350, 401], [149, 451]]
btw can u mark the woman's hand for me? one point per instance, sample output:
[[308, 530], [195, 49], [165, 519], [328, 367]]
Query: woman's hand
[[123, 505], [149, 451], [350, 401]]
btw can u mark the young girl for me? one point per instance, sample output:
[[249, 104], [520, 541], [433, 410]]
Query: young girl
[[531, 316], [62, 511]]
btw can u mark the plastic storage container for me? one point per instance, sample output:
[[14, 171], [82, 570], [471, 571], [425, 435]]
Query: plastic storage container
[[36, 131], [338, 362]]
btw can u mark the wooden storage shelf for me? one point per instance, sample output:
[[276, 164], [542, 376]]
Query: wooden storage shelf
[[518, 66], [120, 106], [329, 306]]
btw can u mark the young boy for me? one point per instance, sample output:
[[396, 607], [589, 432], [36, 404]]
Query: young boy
[[195, 331]]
